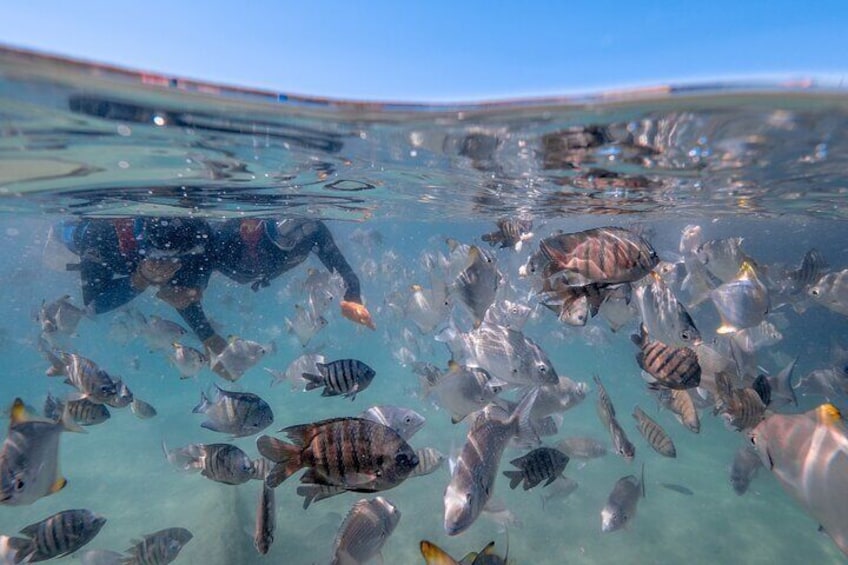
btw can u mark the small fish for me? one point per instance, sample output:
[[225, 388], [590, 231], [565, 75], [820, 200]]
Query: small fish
[[160, 547], [722, 257], [541, 464], [123, 396], [266, 520], [405, 421], [813, 267], [621, 444], [678, 488], [434, 555], [742, 302], [239, 356], [463, 390], [188, 360], [368, 456], [604, 406], [654, 434], [620, 508], [83, 411], [430, 460], [161, 333], [220, 462], [510, 233], [306, 363], [142, 409], [427, 308], [512, 315], [744, 468], [58, 535], [582, 448], [364, 531], [478, 283], [60, 316], [831, 291], [560, 489], [671, 366], [346, 377], [682, 406], [29, 457], [741, 408], [237, 413], [305, 324]]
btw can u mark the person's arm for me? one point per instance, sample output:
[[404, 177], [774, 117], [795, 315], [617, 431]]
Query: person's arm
[[103, 293], [334, 261]]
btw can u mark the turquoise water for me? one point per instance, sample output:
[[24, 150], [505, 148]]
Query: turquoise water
[[762, 162]]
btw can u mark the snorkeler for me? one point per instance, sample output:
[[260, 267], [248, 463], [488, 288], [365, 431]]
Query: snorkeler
[[256, 251]]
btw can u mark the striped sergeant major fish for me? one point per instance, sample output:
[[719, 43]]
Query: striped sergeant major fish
[[56, 536], [654, 434], [345, 377]]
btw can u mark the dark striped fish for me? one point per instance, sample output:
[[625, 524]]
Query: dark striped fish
[[343, 376], [237, 413], [220, 462], [266, 520], [158, 548], [83, 411], [682, 406], [606, 411], [123, 395], [430, 459], [354, 453], [510, 233], [364, 531], [605, 255], [671, 366], [654, 434], [812, 267], [541, 464], [56, 536]]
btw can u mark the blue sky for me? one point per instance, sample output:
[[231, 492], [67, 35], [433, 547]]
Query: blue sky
[[442, 50]]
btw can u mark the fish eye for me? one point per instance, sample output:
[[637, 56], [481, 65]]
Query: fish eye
[[543, 369], [814, 291], [19, 484], [685, 335]]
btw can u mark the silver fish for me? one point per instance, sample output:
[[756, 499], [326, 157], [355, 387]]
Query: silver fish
[[220, 462], [560, 489], [123, 396], [808, 454], [83, 411], [364, 531], [722, 257], [188, 360], [239, 356], [60, 316], [158, 548], [238, 413], [142, 409], [29, 457], [463, 390], [620, 508], [831, 291], [427, 308], [306, 363], [478, 283], [473, 477], [582, 447], [305, 324], [266, 520], [497, 512], [161, 333], [90, 380], [508, 355], [405, 421], [742, 302], [663, 316], [512, 315], [430, 460], [744, 468], [58, 535]]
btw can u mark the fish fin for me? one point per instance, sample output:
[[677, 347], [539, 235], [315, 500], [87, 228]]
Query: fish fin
[[286, 455], [314, 381], [521, 416], [203, 406], [457, 419], [642, 480], [828, 414], [18, 412], [357, 479], [550, 480], [726, 329], [514, 477], [58, 485], [211, 426], [434, 555]]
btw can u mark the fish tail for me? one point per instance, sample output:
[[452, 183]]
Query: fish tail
[[315, 381], [434, 555], [285, 455], [203, 406], [514, 477]]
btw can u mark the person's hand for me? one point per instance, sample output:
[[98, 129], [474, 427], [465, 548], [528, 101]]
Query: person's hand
[[180, 297], [158, 271], [358, 313], [214, 345]]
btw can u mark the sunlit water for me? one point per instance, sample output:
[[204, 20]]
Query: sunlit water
[[767, 164]]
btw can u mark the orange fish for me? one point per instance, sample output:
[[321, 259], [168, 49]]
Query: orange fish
[[357, 313]]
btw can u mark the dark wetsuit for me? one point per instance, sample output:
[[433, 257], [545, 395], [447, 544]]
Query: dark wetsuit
[[259, 260], [110, 252]]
